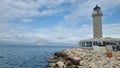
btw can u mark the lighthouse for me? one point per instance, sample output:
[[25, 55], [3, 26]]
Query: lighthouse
[[97, 40], [97, 22]]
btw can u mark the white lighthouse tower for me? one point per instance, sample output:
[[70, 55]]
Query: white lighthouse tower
[[97, 22]]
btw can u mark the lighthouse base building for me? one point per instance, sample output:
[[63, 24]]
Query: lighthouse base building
[[99, 42]]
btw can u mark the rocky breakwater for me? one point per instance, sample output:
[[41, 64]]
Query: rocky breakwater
[[82, 58]]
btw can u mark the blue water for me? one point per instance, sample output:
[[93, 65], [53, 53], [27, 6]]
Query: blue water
[[27, 56]]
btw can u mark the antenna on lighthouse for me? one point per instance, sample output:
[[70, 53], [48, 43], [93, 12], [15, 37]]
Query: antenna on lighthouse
[[101, 3], [98, 2]]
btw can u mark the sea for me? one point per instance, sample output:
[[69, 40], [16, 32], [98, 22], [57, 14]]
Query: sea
[[29, 56]]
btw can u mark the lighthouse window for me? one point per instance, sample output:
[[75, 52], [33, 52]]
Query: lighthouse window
[[89, 44], [99, 43], [104, 43], [95, 43]]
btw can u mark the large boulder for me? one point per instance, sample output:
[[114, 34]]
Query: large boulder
[[60, 64], [75, 60]]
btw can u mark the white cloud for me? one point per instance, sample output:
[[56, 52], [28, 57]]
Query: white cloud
[[11, 9], [27, 20], [4, 26], [80, 11], [112, 30], [58, 34]]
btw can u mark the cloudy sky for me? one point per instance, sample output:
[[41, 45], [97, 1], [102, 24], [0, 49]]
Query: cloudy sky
[[55, 22]]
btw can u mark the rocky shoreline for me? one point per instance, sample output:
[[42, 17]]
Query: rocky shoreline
[[82, 58]]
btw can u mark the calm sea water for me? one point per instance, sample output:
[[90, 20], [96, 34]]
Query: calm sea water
[[27, 56]]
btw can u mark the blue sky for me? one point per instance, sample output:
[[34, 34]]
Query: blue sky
[[55, 22]]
